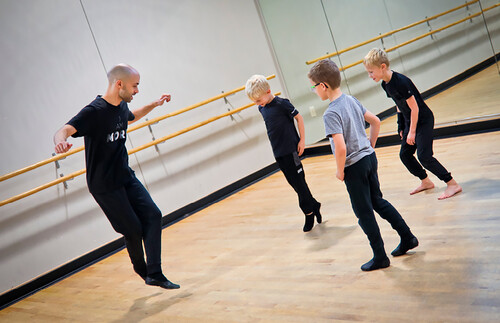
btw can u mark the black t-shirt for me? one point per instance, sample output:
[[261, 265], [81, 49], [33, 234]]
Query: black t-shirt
[[400, 88], [104, 128], [278, 116]]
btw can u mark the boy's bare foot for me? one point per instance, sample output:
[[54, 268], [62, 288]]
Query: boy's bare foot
[[426, 184], [452, 189]]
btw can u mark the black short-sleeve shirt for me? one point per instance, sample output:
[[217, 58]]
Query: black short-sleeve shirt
[[400, 88], [278, 116], [104, 128]]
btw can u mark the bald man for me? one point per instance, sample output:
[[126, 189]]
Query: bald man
[[124, 200]]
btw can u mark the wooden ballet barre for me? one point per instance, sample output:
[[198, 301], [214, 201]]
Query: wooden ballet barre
[[424, 35], [443, 28], [40, 163], [130, 129], [389, 33], [42, 187], [131, 151], [191, 107], [175, 134]]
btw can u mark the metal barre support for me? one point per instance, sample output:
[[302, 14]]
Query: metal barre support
[[65, 183], [467, 9], [430, 28], [382, 41], [153, 135], [56, 162], [226, 101]]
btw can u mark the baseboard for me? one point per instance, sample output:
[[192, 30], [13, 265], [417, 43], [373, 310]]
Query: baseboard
[[447, 132]]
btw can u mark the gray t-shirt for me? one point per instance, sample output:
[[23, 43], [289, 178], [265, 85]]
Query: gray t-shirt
[[345, 115]]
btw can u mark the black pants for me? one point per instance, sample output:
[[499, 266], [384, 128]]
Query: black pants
[[292, 168], [133, 213], [361, 180], [423, 147]]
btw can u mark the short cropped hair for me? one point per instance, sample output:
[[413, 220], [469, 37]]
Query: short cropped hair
[[376, 57], [256, 87], [120, 72], [325, 71]]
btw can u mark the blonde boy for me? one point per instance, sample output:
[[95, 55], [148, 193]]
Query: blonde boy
[[356, 162], [415, 124], [278, 114]]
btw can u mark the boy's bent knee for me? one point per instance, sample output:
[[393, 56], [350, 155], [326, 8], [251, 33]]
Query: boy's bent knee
[[426, 161], [156, 213], [405, 154], [152, 214], [133, 234]]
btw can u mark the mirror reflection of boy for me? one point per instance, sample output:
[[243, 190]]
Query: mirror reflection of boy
[[415, 124]]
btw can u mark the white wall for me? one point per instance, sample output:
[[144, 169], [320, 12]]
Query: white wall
[[192, 49], [304, 30]]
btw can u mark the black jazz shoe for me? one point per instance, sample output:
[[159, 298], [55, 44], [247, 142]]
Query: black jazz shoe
[[404, 246], [375, 264], [162, 282]]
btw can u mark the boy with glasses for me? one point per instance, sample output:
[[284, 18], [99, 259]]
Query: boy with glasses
[[356, 162]]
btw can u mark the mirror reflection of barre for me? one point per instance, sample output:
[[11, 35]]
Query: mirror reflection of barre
[[430, 33]]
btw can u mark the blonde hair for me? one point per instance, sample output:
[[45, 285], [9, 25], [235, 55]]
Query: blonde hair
[[376, 57], [325, 71], [256, 86]]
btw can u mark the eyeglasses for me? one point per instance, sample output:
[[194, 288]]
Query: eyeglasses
[[314, 86]]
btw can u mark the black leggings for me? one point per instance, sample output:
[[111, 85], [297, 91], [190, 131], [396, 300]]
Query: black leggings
[[292, 168], [361, 181], [132, 212], [423, 147]]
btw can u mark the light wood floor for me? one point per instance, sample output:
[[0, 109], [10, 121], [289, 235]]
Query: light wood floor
[[246, 259]]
